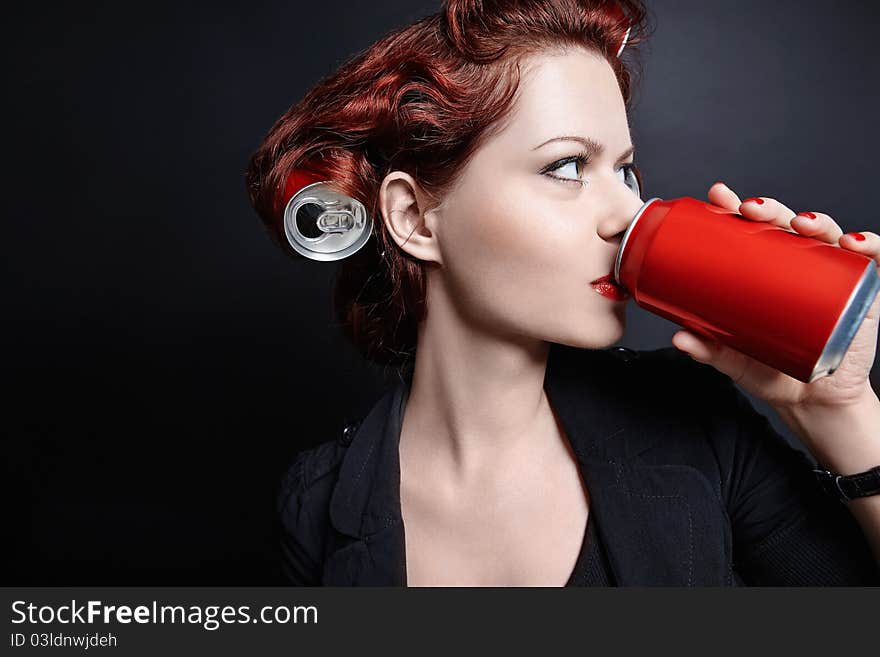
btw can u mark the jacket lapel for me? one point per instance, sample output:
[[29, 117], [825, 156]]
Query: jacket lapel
[[660, 524], [365, 504], [657, 524]]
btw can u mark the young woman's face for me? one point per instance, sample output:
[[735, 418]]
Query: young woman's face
[[527, 226]]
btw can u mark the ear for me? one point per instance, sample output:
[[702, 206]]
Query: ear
[[409, 221]]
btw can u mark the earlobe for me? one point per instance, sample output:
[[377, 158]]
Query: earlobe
[[404, 211]]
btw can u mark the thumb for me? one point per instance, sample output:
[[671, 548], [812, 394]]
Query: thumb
[[699, 348], [742, 369], [756, 378]]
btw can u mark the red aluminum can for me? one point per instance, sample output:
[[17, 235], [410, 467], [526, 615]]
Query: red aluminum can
[[790, 301]]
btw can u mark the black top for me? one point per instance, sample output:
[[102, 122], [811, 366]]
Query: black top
[[592, 568], [689, 486]]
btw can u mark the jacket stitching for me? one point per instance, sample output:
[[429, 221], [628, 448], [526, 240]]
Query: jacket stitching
[[690, 560], [363, 467], [294, 482]]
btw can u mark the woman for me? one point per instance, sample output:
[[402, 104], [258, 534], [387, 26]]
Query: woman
[[490, 143]]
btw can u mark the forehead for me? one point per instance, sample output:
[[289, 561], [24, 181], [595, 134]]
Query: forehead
[[571, 92]]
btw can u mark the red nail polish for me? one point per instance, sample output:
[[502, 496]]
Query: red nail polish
[[808, 215], [759, 201], [858, 236]]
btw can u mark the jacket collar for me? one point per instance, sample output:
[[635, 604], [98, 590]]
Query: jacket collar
[[592, 393]]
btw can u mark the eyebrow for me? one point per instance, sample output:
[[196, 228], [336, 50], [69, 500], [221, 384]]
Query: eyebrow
[[593, 147]]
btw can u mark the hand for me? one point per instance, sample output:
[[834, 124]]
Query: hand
[[849, 382]]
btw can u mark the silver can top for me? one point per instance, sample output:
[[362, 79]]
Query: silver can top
[[323, 224]]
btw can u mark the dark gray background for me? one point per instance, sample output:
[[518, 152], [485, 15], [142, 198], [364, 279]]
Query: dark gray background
[[164, 360]]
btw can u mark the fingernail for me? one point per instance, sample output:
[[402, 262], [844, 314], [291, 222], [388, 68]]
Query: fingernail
[[858, 236], [808, 215], [759, 201]]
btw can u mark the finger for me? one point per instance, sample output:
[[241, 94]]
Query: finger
[[755, 377], [723, 196], [869, 246], [698, 347], [818, 225], [712, 352], [763, 208]]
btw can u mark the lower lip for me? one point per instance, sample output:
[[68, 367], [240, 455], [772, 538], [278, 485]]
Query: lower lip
[[610, 291]]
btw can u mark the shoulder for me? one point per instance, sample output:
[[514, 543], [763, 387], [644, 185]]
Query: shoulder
[[659, 404], [313, 472], [665, 378], [716, 427], [674, 379], [690, 406], [677, 410], [305, 489]]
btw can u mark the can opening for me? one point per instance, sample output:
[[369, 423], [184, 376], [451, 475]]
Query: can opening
[[307, 220]]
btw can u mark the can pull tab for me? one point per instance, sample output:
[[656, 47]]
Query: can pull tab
[[336, 221]]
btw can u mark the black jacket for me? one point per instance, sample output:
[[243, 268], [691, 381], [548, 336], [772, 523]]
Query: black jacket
[[689, 484]]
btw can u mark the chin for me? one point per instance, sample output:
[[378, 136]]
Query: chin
[[592, 335]]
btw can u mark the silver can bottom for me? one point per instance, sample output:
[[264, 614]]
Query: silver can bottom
[[848, 323]]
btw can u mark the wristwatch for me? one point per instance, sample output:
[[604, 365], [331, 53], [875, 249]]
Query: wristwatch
[[848, 487]]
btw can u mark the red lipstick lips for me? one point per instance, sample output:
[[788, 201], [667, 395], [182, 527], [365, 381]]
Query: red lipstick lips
[[607, 287], [607, 278]]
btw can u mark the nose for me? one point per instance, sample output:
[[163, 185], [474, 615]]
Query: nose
[[620, 210]]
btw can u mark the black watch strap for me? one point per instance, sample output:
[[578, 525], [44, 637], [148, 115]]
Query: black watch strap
[[848, 487]]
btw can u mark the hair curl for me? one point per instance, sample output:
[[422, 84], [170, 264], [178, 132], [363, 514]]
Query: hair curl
[[421, 99]]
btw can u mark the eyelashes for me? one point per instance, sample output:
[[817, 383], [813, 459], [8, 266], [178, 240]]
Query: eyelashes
[[581, 160], [632, 174]]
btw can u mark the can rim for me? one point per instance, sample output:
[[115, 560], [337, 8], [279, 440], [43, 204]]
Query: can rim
[[620, 249], [312, 193], [848, 323]]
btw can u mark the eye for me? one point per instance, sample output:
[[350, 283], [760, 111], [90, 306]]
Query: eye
[[630, 177], [573, 165]]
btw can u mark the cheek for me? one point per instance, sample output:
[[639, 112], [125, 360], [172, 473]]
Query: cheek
[[509, 222], [506, 250]]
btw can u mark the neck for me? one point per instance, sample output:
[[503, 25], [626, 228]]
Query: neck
[[477, 399]]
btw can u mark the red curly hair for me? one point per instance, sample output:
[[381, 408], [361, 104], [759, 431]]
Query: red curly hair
[[421, 100]]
